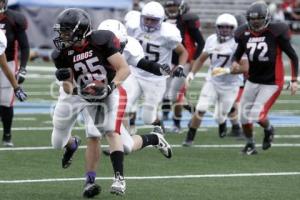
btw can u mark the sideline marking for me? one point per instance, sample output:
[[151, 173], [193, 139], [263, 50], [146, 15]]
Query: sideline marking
[[172, 145], [159, 177]]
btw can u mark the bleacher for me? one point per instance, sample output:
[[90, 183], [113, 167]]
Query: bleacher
[[208, 10]]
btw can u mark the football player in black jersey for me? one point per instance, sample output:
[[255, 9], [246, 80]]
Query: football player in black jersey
[[14, 25], [91, 57], [263, 42], [177, 12]]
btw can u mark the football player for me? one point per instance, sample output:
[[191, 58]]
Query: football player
[[263, 41], [158, 39], [177, 12], [14, 26], [219, 90], [133, 52], [90, 57]]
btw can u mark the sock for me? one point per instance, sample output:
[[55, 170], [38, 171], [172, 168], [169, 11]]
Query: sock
[[269, 127], [90, 177], [117, 158], [132, 119], [177, 121], [191, 134], [149, 139], [7, 114], [166, 107], [250, 140]]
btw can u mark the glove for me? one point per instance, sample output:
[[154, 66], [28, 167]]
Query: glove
[[21, 75], [62, 74], [178, 72], [189, 78], [218, 71], [165, 69], [20, 94]]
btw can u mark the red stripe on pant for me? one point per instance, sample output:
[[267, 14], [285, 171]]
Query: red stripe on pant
[[121, 109], [263, 114]]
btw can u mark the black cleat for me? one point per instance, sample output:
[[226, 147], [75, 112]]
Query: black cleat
[[68, 154], [222, 130], [236, 131], [90, 190], [249, 149], [267, 141]]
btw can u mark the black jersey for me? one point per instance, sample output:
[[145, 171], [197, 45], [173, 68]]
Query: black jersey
[[14, 25], [264, 52], [90, 61], [192, 39]]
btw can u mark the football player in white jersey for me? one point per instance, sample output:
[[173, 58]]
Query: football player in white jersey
[[133, 53], [7, 78], [158, 39], [220, 89]]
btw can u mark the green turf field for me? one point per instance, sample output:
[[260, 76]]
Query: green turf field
[[212, 170]]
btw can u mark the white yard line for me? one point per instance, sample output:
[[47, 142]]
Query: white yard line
[[173, 146], [157, 177]]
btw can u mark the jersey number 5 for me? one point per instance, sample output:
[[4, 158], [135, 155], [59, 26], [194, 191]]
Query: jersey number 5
[[152, 50]]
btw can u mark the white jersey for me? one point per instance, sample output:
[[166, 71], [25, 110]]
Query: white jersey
[[133, 53], [3, 42], [157, 45], [221, 56]]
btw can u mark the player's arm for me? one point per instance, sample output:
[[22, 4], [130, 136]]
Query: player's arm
[[121, 67], [182, 59], [154, 67], [198, 64], [21, 36], [5, 68]]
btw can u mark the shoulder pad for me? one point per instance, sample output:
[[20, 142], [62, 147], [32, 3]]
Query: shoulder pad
[[101, 37], [17, 18], [190, 17], [240, 31], [134, 47], [169, 30], [278, 28]]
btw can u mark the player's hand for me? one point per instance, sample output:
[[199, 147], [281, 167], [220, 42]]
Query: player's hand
[[63, 74], [21, 75], [189, 78], [178, 72], [20, 94], [218, 71], [165, 69], [97, 90]]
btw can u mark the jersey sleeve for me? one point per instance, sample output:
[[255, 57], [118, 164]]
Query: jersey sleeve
[[285, 44], [133, 52], [58, 59], [207, 45], [106, 40], [171, 34], [3, 42], [238, 37]]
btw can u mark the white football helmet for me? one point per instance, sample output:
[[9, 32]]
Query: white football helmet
[[225, 27], [117, 28], [132, 16], [152, 16]]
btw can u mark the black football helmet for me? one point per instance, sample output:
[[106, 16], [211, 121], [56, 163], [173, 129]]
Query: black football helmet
[[72, 25], [3, 5], [258, 16], [173, 8]]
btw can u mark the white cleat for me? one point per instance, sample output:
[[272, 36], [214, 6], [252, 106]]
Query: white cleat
[[7, 143], [118, 186], [163, 146]]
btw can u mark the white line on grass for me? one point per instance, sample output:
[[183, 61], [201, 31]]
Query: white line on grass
[[159, 177], [173, 146]]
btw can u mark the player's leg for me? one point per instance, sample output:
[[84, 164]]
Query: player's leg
[[6, 105], [236, 130], [266, 97], [207, 98], [113, 116], [153, 92], [224, 103], [247, 101]]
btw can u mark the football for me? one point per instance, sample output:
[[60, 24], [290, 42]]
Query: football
[[96, 88]]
